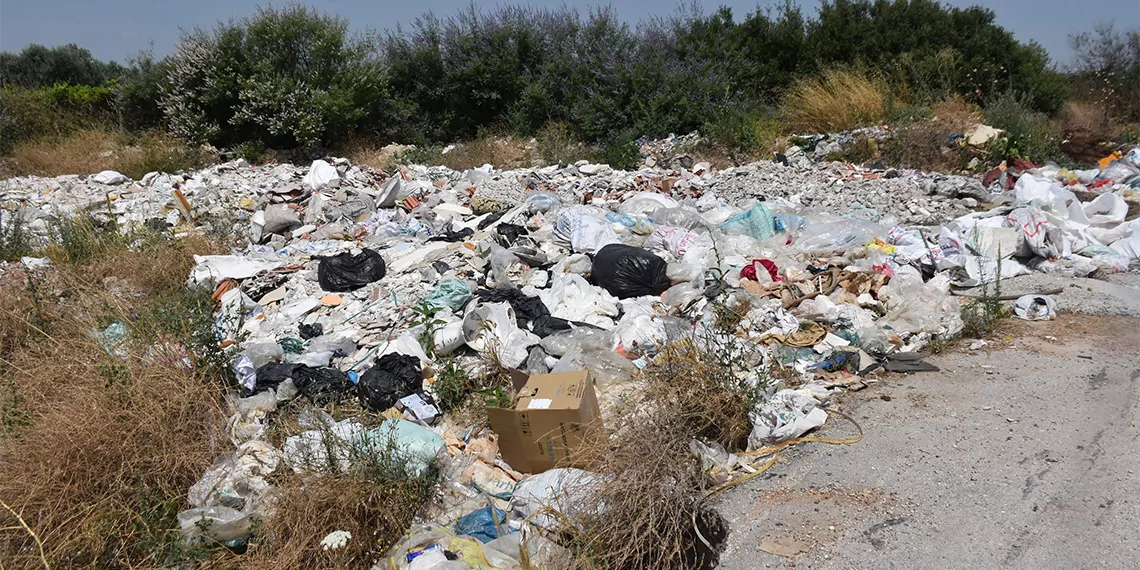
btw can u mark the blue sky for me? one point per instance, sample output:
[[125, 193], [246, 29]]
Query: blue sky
[[116, 29]]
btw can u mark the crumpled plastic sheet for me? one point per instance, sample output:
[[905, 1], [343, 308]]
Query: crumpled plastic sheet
[[785, 415], [572, 298]]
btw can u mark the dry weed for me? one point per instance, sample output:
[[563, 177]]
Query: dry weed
[[835, 100], [502, 153], [954, 114], [90, 151], [650, 514], [376, 514], [110, 437]]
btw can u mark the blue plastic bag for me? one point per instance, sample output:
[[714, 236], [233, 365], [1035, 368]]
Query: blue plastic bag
[[481, 524], [756, 222]]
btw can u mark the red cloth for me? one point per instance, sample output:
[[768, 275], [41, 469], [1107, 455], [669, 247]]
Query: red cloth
[[749, 271]]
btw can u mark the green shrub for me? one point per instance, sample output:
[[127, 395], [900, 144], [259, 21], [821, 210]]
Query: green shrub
[[38, 66], [46, 112], [1029, 133], [288, 77]]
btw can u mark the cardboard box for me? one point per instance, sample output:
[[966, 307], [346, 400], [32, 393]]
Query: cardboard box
[[553, 415]]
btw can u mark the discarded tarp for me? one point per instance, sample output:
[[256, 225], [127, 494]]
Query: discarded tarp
[[347, 272]]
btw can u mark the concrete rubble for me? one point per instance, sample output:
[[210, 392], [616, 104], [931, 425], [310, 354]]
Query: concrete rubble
[[837, 267]]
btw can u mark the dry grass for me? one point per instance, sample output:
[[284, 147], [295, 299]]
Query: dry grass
[[376, 513], [955, 114], [102, 448], [835, 100], [501, 152], [91, 151], [652, 501]]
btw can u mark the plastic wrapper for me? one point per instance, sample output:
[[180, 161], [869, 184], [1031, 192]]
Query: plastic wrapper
[[838, 236], [681, 295], [645, 204], [492, 327], [679, 217], [564, 491], [542, 201], [785, 415]]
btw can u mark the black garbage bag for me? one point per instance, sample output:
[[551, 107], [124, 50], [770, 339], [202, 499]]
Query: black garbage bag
[[626, 271], [511, 232], [321, 385], [490, 219], [451, 236], [310, 331], [530, 312], [272, 374], [393, 377], [347, 272]]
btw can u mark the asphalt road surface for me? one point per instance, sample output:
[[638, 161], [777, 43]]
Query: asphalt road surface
[[1023, 454]]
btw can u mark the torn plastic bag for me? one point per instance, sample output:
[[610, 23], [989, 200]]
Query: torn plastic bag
[[761, 270], [681, 243], [393, 377], [310, 331], [756, 222], [607, 367], [578, 263], [679, 217], [450, 236], [238, 479], [339, 444], [561, 492], [645, 203], [531, 313], [574, 299], [432, 547], [510, 232], [485, 524], [272, 374], [915, 307], [319, 175], [246, 372], [217, 524], [450, 293], [347, 272], [838, 236], [264, 352], [504, 263], [626, 271], [541, 201], [585, 228], [493, 327], [785, 415], [639, 329], [321, 385], [1035, 308]]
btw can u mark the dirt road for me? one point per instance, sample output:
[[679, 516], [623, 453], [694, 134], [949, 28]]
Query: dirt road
[[1021, 455]]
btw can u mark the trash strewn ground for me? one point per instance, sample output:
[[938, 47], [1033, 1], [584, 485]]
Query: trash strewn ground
[[377, 290]]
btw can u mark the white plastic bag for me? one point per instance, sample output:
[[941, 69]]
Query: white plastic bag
[[572, 298], [320, 174], [785, 415]]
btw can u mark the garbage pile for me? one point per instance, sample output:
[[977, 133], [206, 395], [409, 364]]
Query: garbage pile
[[356, 284]]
